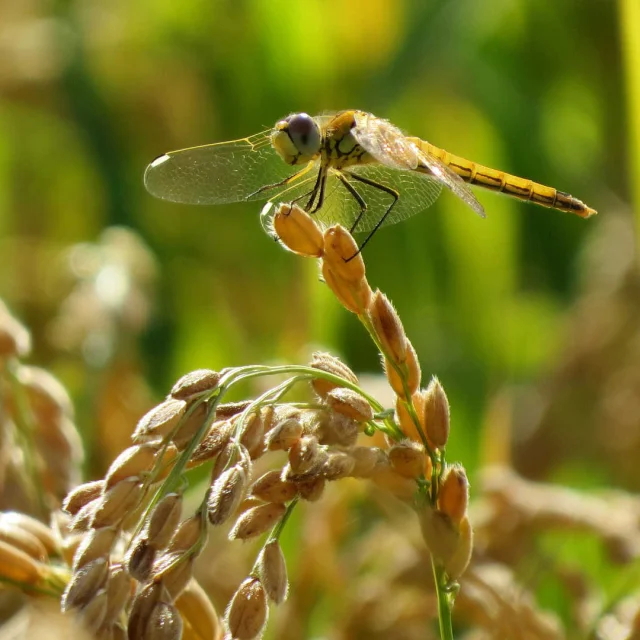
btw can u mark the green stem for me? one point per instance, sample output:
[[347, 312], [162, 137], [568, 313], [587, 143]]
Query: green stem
[[444, 601], [629, 12]]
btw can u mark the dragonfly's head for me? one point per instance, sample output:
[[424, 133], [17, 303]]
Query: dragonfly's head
[[297, 138]]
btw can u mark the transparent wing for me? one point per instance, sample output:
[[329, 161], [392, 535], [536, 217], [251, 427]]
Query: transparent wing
[[451, 180], [389, 146], [217, 173], [417, 192], [385, 142]]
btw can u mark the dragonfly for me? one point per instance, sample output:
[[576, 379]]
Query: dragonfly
[[350, 167]]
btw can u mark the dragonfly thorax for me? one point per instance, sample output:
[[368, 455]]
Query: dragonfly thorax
[[297, 139]]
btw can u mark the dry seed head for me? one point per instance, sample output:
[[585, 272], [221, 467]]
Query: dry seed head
[[404, 419], [48, 399], [119, 590], [232, 453], [15, 340], [117, 503], [267, 415], [248, 503], [409, 373], [23, 540], [139, 559], [435, 417], [366, 459], [97, 543], [337, 429], [230, 409], [439, 532], [272, 568], [92, 614], [338, 465], [408, 459], [84, 584], [284, 435], [453, 497], [198, 613], [388, 327], [257, 520], [195, 382], [271, 488], [341, 253], [282, 412], [311, 490], [395, 379], [226, 494], [455, 565], [252, 435], [213, 443], [350, 404], [143, 603], [306, 455], [247, 613], [16, 565], [81, 495], [137, 460], [159, 421], [191, 424], [297, 231], [163, 520], [385, 476], [83, 519], [330, 364], [188, 534], [164, 623], [174, 571], [402, 488], [353, 297], [34, 527]]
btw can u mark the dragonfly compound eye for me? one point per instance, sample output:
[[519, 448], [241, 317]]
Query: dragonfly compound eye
[[304, 133]]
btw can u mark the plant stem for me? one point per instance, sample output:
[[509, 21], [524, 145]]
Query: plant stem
[[444, 601]]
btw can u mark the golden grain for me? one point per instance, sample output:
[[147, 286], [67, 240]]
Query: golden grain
[[408, 459], [198, 613], [257, 520], [284, 435], [82, 495], [97, 543], [297, 231], [159, 421], [273, 572], [350, 403], [435, 417], [195, 383], [226, 494], [271, 488], [248, 611], [453, 497], [388, 327], [330, 364]]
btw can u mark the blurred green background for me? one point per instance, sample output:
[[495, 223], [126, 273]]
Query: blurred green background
[[92, 91]]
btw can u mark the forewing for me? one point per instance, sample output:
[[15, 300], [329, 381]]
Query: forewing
[[441, 172], [217, 173], [385, 142], [417, 191]]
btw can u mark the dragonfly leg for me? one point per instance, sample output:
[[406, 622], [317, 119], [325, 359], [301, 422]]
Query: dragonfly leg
[[282, 183], [356, 196], [317, 193], [376, 185]]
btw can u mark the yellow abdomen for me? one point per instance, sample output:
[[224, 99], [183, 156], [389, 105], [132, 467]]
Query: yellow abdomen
[[521, 188]]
